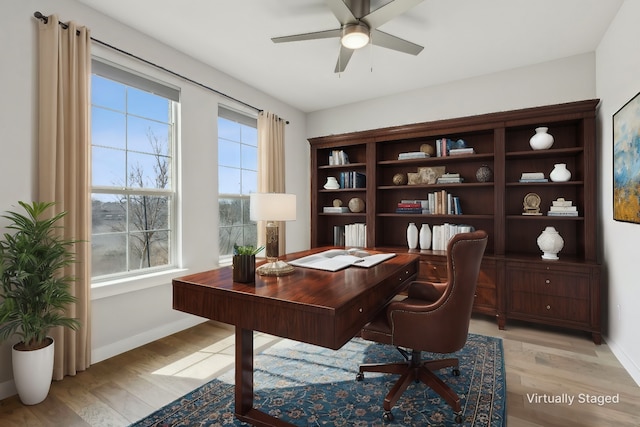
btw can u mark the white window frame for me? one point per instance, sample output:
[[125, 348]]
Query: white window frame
[[117, 73]]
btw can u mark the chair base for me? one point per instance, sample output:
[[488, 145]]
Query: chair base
[[418, 370]]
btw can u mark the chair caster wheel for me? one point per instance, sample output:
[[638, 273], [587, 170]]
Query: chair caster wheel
[[387, 416], [455, 372], [359, 376], [459, 418]]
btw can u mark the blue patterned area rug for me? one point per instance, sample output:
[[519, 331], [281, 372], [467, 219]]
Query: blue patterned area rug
[[308, 385]]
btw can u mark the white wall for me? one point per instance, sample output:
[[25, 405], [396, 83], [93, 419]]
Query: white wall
[[123, 320], [564, 80], [618, 71]]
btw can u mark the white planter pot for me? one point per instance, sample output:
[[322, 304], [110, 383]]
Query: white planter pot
[[32, 373]]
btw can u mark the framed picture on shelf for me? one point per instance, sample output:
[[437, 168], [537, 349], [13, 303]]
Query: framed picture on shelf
[[626, 162]]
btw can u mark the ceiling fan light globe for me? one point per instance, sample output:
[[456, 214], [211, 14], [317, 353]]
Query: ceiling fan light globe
[[355, 36]]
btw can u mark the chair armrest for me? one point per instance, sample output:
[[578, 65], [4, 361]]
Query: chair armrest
[[428, 291]]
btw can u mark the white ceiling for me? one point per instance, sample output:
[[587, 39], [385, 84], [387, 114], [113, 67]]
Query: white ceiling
[[461, 39]]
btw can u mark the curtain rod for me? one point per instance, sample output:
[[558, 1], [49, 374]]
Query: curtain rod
[[45, 19]]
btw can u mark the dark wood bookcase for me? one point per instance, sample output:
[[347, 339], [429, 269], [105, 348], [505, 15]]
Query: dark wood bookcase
[[515, 282]]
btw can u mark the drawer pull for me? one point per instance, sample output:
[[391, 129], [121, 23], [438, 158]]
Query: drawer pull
[[548, 307], [547, 281], [360, 309]]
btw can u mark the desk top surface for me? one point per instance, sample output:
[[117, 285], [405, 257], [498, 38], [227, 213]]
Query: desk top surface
[[314, 306]]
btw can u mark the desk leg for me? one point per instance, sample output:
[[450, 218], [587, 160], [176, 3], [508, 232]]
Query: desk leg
[[244, 370], [244, 384]]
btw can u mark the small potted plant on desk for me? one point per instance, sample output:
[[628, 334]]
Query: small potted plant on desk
[[34, 295], [244, 263]]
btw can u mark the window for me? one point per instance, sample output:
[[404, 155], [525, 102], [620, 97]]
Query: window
[[133, 131], [237, 178]]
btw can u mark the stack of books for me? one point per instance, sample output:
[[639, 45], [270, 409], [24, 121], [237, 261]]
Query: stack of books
[[352, 179], [413, 155], [533, 177], [449, 178], [441, 234], [562, 207], [413, 207], [355, 235], [443, 203]]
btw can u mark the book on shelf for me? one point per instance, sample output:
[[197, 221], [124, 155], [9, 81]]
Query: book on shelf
[[564, 213], [338, 259], [338, 157], [532, 175], [535, 180], [335, 209], [413, 155], [338, 235], [355, 235], [352, 179], [563, 209], [443, 203], [441, 234], [459, 151]]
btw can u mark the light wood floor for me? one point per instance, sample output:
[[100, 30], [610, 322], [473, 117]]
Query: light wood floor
[[538, 363]]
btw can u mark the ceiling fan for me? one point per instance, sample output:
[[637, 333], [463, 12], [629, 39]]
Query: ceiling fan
[[358, 27]]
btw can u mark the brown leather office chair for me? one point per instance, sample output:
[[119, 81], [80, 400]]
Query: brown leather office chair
[[435, 318]]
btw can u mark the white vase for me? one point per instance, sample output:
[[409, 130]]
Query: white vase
[[541, 140], [412, 236], [332, 183], [550, 243], [560, 173], [32, 373], [424, 237]]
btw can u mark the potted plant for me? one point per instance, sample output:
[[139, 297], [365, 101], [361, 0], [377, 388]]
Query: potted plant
[[34, 295], [244, 263]]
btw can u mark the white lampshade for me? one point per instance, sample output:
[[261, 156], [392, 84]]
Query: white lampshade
[[272, 207], [355, 36]]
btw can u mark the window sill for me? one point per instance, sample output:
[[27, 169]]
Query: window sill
[[126, 285]]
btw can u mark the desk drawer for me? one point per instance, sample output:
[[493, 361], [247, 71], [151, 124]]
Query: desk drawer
[[547, 306]]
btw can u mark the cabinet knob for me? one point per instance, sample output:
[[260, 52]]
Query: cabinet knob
[[547, 281], [360, 309], [548, 307]]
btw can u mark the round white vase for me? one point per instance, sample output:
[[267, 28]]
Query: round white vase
[[412, 236], [331, 184], [560, 173], [541, 140], [550, 243], [424, 237], [32, 373]]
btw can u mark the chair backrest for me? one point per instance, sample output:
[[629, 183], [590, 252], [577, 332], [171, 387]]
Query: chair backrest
[[443, 326]]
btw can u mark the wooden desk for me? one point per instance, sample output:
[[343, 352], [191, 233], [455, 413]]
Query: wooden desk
[[312, 306]]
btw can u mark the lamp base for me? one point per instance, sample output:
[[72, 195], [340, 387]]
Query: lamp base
[[275, 268]]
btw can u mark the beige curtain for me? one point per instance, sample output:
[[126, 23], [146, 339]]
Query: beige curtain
[[64, 169], [271, 166]]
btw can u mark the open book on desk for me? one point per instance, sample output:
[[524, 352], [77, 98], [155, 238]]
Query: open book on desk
[[337, 259]]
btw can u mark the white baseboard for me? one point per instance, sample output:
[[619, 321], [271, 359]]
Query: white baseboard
[[113, 349], [625, 361]]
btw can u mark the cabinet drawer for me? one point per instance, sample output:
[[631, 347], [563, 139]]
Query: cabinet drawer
[[548, 283], [549, 306], [432, 271]]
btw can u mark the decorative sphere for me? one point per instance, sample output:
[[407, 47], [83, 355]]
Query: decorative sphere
[[400, 179], [484, 174], [356, 205], [337, 203], [428, 148]]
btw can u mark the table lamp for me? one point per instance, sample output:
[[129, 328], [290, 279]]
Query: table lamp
[[272, 207]]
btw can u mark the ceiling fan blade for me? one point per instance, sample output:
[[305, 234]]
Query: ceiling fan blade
[[388, 12], [342, 13], [308, 36], [343, 59], [382, 39]]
